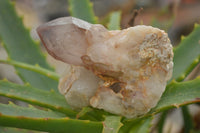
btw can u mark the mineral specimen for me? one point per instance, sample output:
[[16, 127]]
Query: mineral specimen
[[123, 72]]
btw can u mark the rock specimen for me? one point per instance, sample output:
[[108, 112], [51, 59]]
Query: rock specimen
[[123, 72]]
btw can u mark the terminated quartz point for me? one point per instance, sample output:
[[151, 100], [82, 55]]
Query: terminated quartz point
[[123, 72]]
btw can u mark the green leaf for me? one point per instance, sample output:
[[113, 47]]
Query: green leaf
[[178, 94], [141, 127], [188, 122], [15, 130], [48, 99], [161, 121], [14, 110], [114, 23], [83, 112], [20, 47], [82, 9], [35, 68], [112, 124], [88, 112], [49, 122], [138, 126], [187, 54]]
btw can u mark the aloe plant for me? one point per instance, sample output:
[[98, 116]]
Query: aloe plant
[[48, 110]]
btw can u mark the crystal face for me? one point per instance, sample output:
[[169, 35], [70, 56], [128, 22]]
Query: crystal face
[[123, 72]]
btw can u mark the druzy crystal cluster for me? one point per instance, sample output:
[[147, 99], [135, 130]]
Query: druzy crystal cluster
[[123, 71]]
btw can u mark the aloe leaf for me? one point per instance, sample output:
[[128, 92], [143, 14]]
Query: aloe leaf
[[48, 99], [178, 94], [89, 112], [55, 125], [141, 127], [161, 121], [34, 119], [20, 47], [16, 130], [188, 122], [138, 126], [36, 68], [14, 110], [114, 23], [82, 9], [83, 112], [187, 54], [112, 124]]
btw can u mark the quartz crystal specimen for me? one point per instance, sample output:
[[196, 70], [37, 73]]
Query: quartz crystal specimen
[[123, 72]]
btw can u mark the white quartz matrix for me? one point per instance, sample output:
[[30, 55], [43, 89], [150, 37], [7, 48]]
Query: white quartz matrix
[[123, 72]]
